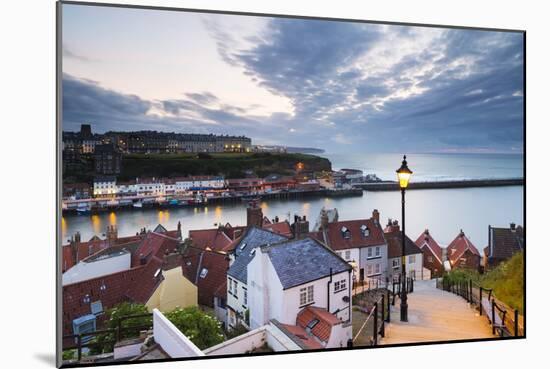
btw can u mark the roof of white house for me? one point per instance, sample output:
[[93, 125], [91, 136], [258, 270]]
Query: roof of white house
[[253, 238], [300, 261]]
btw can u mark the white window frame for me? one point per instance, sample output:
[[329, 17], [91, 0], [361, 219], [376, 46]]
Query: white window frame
[[377, 251], [369, 252], [348, 254], [412, 259]]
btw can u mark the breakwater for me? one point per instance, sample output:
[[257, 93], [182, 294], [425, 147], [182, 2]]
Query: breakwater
[[392, 186]]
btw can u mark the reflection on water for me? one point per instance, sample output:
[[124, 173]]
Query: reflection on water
[[444, 212]]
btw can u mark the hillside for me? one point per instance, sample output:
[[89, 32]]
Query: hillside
[[226, 164]]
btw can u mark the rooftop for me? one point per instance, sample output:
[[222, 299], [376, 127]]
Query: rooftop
[[300, 261]]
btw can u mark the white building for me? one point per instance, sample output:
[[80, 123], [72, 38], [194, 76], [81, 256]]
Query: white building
[[360, 242], [105, 186], [298, 283], [105, 262]]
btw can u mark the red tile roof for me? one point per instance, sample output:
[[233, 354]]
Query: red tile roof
[[136, 284], [326, 320], [282, 228], [425, 240], [214, 238], [194, 261], [307, 340], [82, 250], [459, 246], [334, 234]]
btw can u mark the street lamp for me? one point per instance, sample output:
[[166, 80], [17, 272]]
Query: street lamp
[[403, 175]]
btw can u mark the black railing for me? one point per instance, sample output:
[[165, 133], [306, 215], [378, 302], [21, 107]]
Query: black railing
[[374, 326], [87, 340], [397, 285], [505, 320]]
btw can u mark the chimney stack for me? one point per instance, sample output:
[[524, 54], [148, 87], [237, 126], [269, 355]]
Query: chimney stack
[[254, 215], [376, 216], [324, 219], [179, 230], [112, 233], [77, 237], [300, 227], [513, 227]]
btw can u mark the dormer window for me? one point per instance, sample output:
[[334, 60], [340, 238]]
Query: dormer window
[[365, 230], [243, 246], [346, 233]]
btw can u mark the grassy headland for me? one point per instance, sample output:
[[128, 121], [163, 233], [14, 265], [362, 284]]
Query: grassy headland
[[230, 165]]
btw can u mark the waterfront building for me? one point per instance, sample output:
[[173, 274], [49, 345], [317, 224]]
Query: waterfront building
[[105, 186], [462, 253], [432, 253], [414, 258], [503, 243], [77, 191], [359, 242], [276, 182], [247, 185]]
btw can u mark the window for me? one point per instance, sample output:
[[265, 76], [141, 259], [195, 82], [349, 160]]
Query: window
[[412, 259], [306, 295], [235, 286], [369, 269], [377, 251], [369, 252], [348, 254], [376, 268], [430, 259], [245, 298], [96, 307], [340, 285], [395, 263], [204, 272]]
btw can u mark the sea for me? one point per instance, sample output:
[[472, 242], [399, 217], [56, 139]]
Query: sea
[[443, 211]]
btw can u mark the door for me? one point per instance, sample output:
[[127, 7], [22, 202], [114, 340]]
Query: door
[[362, 274]]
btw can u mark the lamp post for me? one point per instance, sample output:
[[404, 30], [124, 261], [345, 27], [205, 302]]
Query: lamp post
[[403, 175]]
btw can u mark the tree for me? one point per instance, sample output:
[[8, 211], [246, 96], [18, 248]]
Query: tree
[[202, 329]]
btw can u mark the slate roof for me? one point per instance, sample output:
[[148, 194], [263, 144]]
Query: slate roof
[[300, 261], [395, 245], [334, 236], [253, 237], [505, 242], [425, 240]]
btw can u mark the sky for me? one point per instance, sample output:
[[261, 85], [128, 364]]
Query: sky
[[339, 86]]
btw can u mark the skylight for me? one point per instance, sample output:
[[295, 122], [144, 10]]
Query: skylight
[[312, 324], [204, 272]]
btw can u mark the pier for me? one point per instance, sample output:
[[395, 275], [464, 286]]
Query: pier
[[392, 186]]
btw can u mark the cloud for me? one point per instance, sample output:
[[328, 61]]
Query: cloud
[[351, 85], [70, 54], [409, 87]]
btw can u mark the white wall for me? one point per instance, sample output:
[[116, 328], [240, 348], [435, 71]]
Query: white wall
[[88, 270], [417, 266], [170, 338]]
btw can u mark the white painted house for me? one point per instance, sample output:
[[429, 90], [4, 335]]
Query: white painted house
[[360, 242], [300, 283]]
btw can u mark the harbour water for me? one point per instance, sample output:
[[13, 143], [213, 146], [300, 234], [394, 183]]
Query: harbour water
[[443, 211], [434, 167]]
